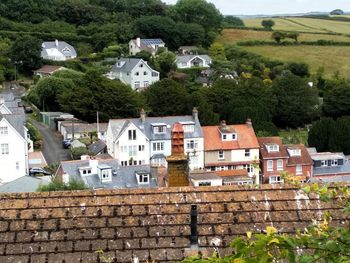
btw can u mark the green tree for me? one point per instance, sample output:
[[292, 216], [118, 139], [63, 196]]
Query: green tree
[[56, 185], [25, 52], [190, 34], [164, 93], [296, 102], [300, 69], [217, 51], [320, 133], [206, 114], [232, 21], [336, 101], [268, 23], [278, 36], [164, 63]]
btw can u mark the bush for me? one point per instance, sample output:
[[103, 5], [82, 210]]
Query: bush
[[55, 185], [78, 152], [34, 135]]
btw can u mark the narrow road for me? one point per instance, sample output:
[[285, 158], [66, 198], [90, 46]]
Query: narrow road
[[52, 144]]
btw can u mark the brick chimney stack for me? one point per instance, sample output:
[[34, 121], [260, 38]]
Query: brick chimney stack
[[143, 115], [177, 162], [249, 122]]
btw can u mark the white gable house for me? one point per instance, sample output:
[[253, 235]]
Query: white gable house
[[191, 61], [57, 50], [149, 45], [134, 72], [147, 140]]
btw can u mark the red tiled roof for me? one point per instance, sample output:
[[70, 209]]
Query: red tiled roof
[[147, 223], [48, 69], [229, 173], [246, 138], [304, 157]]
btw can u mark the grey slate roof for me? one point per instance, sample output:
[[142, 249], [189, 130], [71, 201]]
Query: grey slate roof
[[125, 176], [17, 122], [118, 126], [24, 184], [187, 58], [97, 147], [129, 64], [84, 127], [60, 47], [339, 169], [204, 176]]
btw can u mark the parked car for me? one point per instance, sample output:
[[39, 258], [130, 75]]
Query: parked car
[[66, 143], [37, 170]]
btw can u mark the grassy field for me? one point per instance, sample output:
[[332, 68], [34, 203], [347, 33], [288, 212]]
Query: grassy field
[[240, 35], [331, 58], [303, 24], [294, 136]]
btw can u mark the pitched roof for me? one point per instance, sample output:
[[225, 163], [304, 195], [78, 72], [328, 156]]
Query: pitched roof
[[83, 127], [264, 141], [246, 138], [119, 125], [303, 159], [126, 65], [97, 147], [48, 69], [17, 122], [24, 184], [147, 223], [187, 58], [49, 47]]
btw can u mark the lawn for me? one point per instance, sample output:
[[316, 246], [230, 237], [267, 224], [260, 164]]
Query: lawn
[[331, 58], [294, 136], [240, 35], [303, 24]]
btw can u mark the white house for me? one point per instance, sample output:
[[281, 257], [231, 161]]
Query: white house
[[147, 140], [134, 72], [14, 142], [190, 61], [57, 50], [149, 45]]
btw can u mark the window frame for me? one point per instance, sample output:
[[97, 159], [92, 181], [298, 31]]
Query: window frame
[[269, 165], [221, 155]]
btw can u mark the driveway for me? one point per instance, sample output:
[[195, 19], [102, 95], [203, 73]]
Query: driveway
[[52, 144]]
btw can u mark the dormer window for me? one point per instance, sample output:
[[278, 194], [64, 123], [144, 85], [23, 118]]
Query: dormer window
[[159, 128], [188, 126], [228, 136], [294, 152], [272, 148], [66, 49], [334, 162], [85, 170], [104, 173], [142, 178]]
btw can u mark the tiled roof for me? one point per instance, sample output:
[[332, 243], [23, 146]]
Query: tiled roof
[[60, 46], [263, 141], [304, 157], [246, 138], [187, 58], [48, 69], [229, 173], [84, 127], [146, 223]]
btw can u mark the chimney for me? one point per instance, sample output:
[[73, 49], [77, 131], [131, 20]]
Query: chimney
[[56, 43], [195, 113], [85, 157], [249, 122], [65, 178], [93, 164], [2, 100], [223, 124], [138, 42], [177, 162], [143, 115]]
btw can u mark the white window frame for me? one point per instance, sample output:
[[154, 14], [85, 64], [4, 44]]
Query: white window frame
[[279, 165], [275, 180], [221, 155], [273, 148], [132, 150], [137, 84], [143, 178], [188, 128], [141, 148], [4, 130], [192, 145], [5, 149], [158, 146], [334, 162], [159, 129], [298, 169], [132, 135], [269, 165], [324, 163], [247, 152]]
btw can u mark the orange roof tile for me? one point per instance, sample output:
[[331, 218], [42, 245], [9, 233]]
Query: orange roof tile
[[228, 173], [246, 138]]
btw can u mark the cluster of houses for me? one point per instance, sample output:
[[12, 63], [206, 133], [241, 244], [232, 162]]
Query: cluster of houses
[[138, 152], [131, 71]]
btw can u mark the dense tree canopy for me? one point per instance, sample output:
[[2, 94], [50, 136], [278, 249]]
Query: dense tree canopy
[[337, 101]]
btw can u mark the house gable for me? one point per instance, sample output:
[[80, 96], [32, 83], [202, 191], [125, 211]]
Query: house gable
[[4, 122], [4, 109]]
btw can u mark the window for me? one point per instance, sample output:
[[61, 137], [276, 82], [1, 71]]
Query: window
[[298, 170], [132, 135], [279, 165], [143, 178], [234, 136], [141, 66], [17, 165], [249, 168], [188, 128], [105, 174], [334, 162], [158, 146], [86, 171], [137, 84], [124, 163], [324, 163], [221, 155], [135, 162], [3, 130], [4, 149], [221, 168], [224, 137], [137, 73], [269, 165], [141, 148], [204, 184], [273, 148], [192, 145], [145, 73], [132, 150], [155, 74], [145, 84], [294, 152], [123, 149], [275, 179], [247, 153], [159, 129]]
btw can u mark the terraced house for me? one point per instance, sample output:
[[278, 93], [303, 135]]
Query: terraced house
[[232, 151], [147, 140]]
